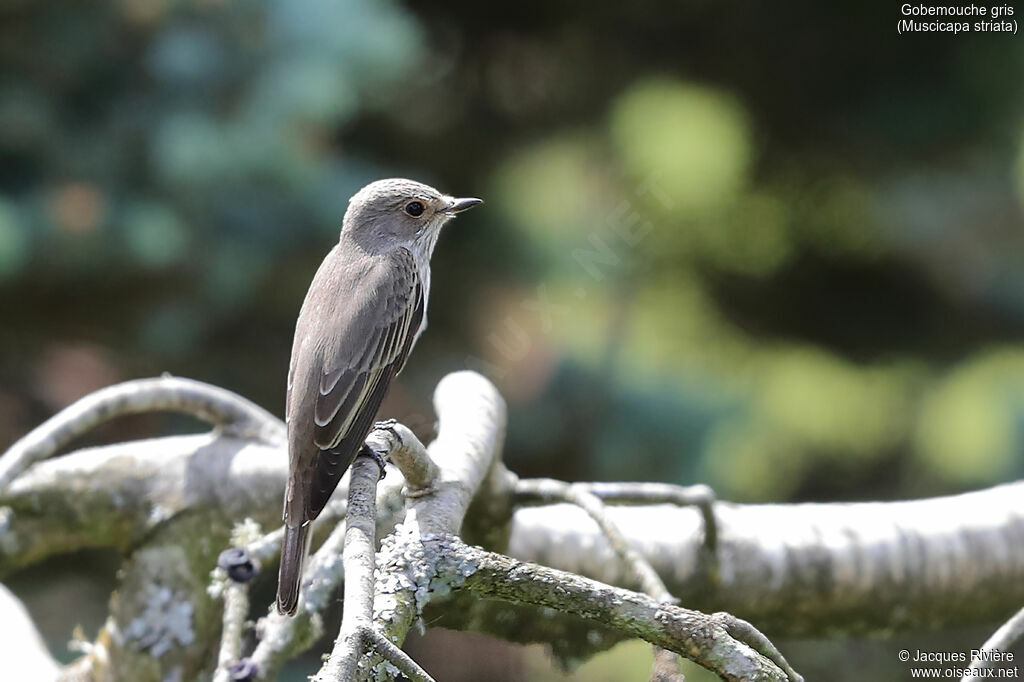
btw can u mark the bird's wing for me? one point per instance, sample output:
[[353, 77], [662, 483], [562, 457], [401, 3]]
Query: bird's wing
[[370, 326]]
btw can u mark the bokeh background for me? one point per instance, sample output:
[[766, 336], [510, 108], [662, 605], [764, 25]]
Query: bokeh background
[[775, 247]]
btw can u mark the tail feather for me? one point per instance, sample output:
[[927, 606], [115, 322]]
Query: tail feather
[[294, 549]]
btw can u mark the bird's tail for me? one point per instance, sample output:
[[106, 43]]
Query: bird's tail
[[294, 549]]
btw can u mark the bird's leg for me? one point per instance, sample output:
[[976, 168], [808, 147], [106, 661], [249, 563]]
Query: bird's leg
[[381, 458]]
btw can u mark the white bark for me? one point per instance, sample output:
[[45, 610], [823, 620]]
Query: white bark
[[842, 567], [22, 649]]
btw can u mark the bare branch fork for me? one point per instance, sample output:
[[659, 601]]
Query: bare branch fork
[[358, 634]]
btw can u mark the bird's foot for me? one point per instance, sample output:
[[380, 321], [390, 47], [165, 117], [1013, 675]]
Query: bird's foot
[[389, 426], [381, 458]]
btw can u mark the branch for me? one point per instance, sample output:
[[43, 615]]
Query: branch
[[394, 655], [1001, 640], [117, 495], [641, 570], [359, 552], [870, 557], [700, 496], [579, 494], [423, 560], [236, 609], [283, 637], [845, 567], [666, 668], [357, 632], [471, 414], [22, 648], [718, 642], [408, 454], [235, 568], [236, 415], [849, 568]]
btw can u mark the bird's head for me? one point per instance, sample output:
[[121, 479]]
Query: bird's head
[[399, 212]]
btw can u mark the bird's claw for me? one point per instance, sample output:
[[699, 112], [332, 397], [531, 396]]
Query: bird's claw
[[389, 426], [381, 458]]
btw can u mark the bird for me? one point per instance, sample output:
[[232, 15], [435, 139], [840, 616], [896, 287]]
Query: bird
[[364, 311]]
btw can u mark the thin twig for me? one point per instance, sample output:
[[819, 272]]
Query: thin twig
[[642, 571], [666, 666], [742, 631], [236, 610], [359, 561], [233, 413], [1001, 640], [267, 548], [283, 637], [585, 496], [648, 579], [393, 654], [700, 496]]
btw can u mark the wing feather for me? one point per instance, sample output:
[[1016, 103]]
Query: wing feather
[[347, 381]]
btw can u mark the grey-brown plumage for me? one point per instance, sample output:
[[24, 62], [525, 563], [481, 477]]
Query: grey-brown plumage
[[363, 312]]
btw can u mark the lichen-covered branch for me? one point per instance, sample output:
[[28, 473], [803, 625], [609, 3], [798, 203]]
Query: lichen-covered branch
[[117, 495], [423, 560], [171, 503], [642, 572], [408, 454], [708, 640], [640, 569], [471, 414], [358, 557], [358, 635], [236, 609], [665, 666]]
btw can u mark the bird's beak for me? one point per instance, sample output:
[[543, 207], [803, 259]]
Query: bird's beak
[[460, 205]]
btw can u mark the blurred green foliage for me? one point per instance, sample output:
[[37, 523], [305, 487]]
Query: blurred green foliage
[[625, 661], [777, 248], [784, 287]]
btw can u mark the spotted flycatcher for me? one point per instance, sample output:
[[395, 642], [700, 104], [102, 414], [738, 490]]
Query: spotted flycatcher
[[365, 309]]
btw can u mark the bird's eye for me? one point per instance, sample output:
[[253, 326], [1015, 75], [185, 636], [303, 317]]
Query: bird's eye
[[414, 208]]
